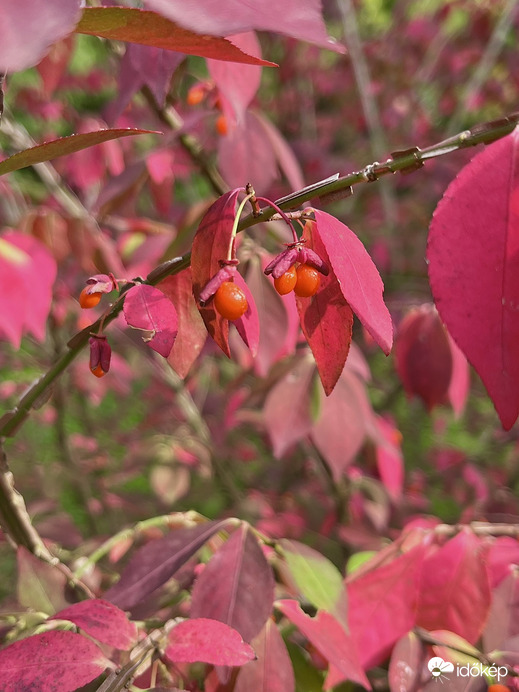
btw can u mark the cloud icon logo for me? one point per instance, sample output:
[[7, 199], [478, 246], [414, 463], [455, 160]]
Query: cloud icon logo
[[439, 667]]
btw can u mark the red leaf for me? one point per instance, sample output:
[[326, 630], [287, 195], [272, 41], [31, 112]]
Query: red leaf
[[192, 333], [383, 605], [460, 380], [247, 325], [209, 641], [358, 276], [102, 621], [474, 269], [326, 318], [332, 642], [236, 586], [454, 588], [272, 670], [151, 29], [502, 624], [390, 463], [29, 28], [153, 564], [423, 356], [65, 145], [210, 245], [38, 662], [300, 20], [236, 84], [503, 553], [145, 307], [343, 422], [287, 412]]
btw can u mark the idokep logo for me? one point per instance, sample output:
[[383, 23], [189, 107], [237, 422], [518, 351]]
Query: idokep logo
[[439, 668]]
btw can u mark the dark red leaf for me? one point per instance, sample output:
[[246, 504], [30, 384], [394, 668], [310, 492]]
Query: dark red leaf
[[209, 641], [65, 145], [147, 308], [102, 621], [192, 334], [153, 564], [287, 412], [28, 29], [236, 586], [272, 670], [382, 605], [300, 20], [210, 245], [474, 269], [423, 356], [332, 642], [326, 318], [151, 29], [358, 276], [41, 661], [454, 588]]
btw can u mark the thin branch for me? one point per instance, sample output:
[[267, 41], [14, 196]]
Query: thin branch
[[369, 105]]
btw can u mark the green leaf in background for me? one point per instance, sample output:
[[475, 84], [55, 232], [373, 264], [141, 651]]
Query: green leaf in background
[[358, 559], [316, 578]]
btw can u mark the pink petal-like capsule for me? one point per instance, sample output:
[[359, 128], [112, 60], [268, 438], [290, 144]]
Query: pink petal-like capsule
[[282, 262], [226, 273], [101, 283], [308, 256], [100, 353]]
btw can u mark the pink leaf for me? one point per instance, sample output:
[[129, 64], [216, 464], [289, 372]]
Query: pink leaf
[[102, 621], [246, 154], [272, 670], [28, 28], [383, 605], [145, 307], [332, 642], [501, 631], [358, 276], [326, 318], [151, 29], [473, 254], [300, 20], [209, 641], [285, 157], [153, 564], [210, 245], [460, 380], [40, 587], [503, 553], [454, 588], [237, 85], [390, 463], [236, 586], [287, 411], [192, 333], [341, 428], [38, 662], [65, 145], [405, 667], [247, 325]]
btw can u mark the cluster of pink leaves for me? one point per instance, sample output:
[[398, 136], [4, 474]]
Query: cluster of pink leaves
[[460, 589]]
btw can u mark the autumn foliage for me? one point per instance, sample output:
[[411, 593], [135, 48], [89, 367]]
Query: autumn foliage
[[259, 395]]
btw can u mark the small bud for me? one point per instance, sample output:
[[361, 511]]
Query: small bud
[[101, 283], [225, 273], [282, 262], [308, 256], [100, 355]]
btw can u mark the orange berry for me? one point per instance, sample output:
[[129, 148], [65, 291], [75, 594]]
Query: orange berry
[[230, 301], [498, 688], [308, 281], [98, 371], [195, 95], [286, 282], [89, 300], [221, 125]]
